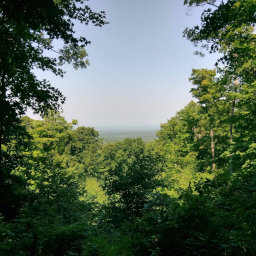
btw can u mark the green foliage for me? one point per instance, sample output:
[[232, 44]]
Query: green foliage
[[108, 243], [190, 192], [31, 28], [60, 203], [94, 190], [28, 30], [183, 144], [130, 176]]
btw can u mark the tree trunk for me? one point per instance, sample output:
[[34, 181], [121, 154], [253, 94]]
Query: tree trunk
[[231, 128], [2, 97], [0, 148], [212, 149], [231, 138]]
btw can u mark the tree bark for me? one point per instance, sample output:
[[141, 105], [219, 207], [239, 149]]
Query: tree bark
[[212, 149], [231, 140], [231, 137], [2, 97]]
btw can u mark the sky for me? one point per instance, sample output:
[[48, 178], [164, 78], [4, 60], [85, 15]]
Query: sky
[[139, 65]]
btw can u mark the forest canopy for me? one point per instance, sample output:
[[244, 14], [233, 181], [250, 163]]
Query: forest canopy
[[63, 191]]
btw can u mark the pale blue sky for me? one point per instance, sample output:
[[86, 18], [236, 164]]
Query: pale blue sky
[[140, 65]]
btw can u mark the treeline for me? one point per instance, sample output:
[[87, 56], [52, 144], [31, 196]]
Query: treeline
[[190, 192], [75, 195]]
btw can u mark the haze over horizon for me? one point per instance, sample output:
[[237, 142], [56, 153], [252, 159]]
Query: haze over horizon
[[140, 65]]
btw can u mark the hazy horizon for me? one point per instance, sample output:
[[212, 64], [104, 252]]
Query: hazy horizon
[[128, 128], [113, 134]]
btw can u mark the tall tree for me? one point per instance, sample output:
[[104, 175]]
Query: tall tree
[[208, 94], [28, 30], [228, 27]]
